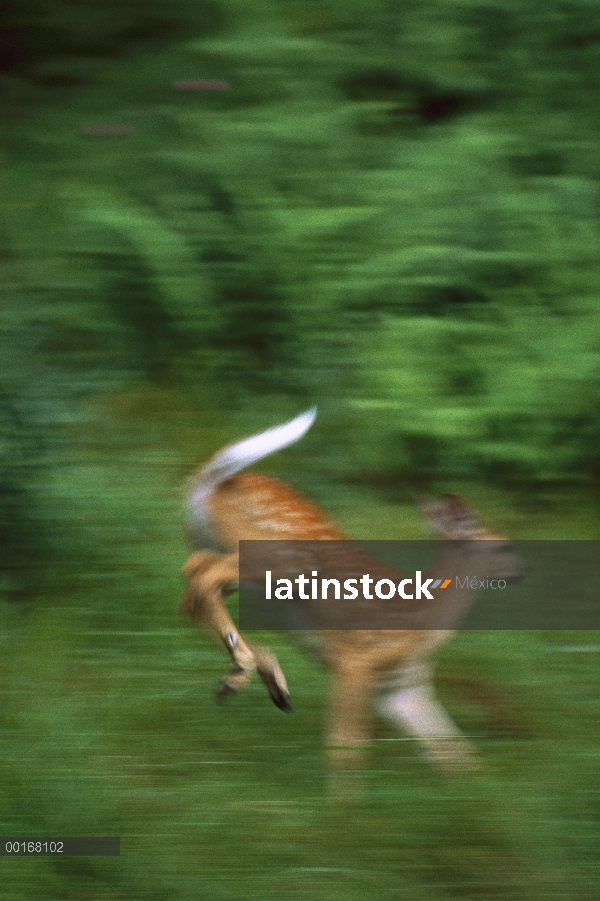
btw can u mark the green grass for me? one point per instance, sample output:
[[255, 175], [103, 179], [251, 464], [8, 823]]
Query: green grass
[[116, 731], [108, 726], [311, 235]]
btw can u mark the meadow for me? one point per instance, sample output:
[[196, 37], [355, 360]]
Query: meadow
[[215, 215]]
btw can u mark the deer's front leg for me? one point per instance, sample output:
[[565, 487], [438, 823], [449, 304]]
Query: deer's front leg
[[348, 732], [348, 729], [356, 664], [414, 709]]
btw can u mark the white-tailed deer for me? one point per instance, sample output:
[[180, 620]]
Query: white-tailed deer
[[226, 507]]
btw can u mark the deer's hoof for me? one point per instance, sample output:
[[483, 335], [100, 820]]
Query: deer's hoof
[[281, 699], [224, 691]]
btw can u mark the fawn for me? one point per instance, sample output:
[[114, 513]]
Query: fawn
[[226, 507]]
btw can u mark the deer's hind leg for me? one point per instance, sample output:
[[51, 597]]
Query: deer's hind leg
[[209, 575]]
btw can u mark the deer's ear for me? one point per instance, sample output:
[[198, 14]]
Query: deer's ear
[[459, 513], [425, 503], [457, 507], [450, 517], [435, 513]]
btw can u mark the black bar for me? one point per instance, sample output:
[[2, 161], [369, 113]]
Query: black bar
[[59, 847], [478, 585]]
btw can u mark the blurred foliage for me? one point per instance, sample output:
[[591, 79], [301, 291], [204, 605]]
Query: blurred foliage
[[390, 210]]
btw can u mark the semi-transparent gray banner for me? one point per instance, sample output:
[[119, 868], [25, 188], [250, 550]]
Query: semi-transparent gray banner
[[490, 584]]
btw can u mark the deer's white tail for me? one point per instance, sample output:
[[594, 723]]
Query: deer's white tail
[[238, 456]]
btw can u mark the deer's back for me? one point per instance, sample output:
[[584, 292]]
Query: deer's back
[[251, 507]]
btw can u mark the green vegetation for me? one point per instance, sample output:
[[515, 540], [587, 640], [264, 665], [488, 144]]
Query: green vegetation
[[391, 211]]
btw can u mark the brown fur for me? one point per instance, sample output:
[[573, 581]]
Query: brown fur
[[255, 507]]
